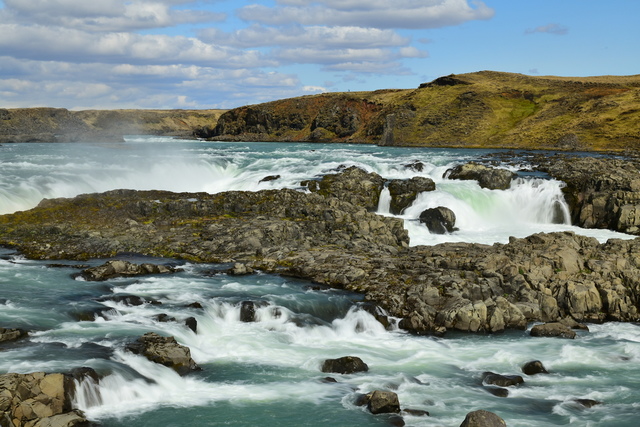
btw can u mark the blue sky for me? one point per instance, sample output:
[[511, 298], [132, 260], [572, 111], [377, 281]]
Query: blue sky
[[82, 54]]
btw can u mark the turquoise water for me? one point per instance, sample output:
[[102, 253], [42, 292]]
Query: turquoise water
[[268, 372]]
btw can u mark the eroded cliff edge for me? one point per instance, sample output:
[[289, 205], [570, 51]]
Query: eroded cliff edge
[[329, 236]]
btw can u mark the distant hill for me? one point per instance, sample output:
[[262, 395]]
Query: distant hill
[[62, 125], [483, 109]]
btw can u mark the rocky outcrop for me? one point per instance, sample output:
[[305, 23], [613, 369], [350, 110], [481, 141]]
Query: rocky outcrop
[[482, 418], [487, 177], [12, 334], [344, 365], [120, 268], [601, 192], [439, 220], [38, 400], [352, 185], [165, 351], [404, 192]]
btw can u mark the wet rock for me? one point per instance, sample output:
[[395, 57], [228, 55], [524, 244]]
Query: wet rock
[[487, 177], [534, 367], [247, 311], [345, 365], [192, 324], [165, 351], [239, 269], [501, 380], [497, 391], [38, 399], [416, 166], [12, 334], [553, 329], [163, 318], [440, 220], [587, 403], [482, 418], [270, 178], [130, 300], [118, 268], [383, 402], [416, 412], [404, 192]]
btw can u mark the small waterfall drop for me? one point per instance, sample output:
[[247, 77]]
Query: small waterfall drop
[[384, 204]]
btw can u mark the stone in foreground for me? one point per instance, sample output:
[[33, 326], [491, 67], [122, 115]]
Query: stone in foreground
[[345, 365]]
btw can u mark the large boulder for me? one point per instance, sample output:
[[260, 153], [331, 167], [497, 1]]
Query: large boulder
[[552, 329], [487, 177], [165, 351], [440, 220], [119, 268], [482, 418], [38, 399], [383, 402], [352, 184], [345, 365], [404, 192]]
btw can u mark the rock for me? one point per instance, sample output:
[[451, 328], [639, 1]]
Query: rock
[[118, 268], [534, 367], [165, 351], [554, 329], [587, 403], [404, 192], [270, 178], [353, 185], [416, 412], [38, 399], [192, 324], [416, 166], [383, 402], [12, 334], [487, 177], [130, 300], [345, 365], [497, 391], [501, 380], [239, 269], [247, 311], [482, 418], [439, 220]]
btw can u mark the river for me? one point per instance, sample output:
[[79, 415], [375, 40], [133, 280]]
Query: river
[[268, 372]]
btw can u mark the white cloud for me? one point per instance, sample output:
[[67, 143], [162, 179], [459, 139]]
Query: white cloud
[[556, 29], [376, 13]]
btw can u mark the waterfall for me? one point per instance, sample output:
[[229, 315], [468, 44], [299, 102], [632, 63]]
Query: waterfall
[[384, 205]]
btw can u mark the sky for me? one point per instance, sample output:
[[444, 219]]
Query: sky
[[160, 54]]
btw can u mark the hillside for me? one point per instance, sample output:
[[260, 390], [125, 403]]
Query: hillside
[[62, 125], [483, 109]]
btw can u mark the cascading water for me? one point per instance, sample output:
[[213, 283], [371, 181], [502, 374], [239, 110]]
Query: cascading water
[[267, 371]]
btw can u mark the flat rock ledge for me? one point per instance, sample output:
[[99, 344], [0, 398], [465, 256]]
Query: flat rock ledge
[[119, 268], [38, 400]]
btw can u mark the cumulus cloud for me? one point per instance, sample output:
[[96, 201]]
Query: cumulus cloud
[[555, 29]]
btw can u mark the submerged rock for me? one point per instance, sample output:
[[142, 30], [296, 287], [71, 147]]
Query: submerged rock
[[345, 365], [12, 334], [501, 380]]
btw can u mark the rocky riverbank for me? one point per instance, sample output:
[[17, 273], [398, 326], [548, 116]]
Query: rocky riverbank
[[329, 236]]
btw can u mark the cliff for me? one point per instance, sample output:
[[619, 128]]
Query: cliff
[[62, 125], [481, 110]]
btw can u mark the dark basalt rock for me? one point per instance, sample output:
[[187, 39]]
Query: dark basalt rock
[[439, 220], [165, 351], [534, 367], [501, 380], [404, 192], [353, 185], [270, 178], [118, 268], [497, 391], [345, 365], [131, 300], [482, 418], [487, 177], [247, 311], [553, 329], [587, 403], [192, 324]]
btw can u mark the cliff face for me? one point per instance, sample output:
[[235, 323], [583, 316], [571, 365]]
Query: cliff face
[[483, 109], [62, 125]]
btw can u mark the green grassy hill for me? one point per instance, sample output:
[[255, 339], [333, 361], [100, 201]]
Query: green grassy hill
[[483, 109]]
